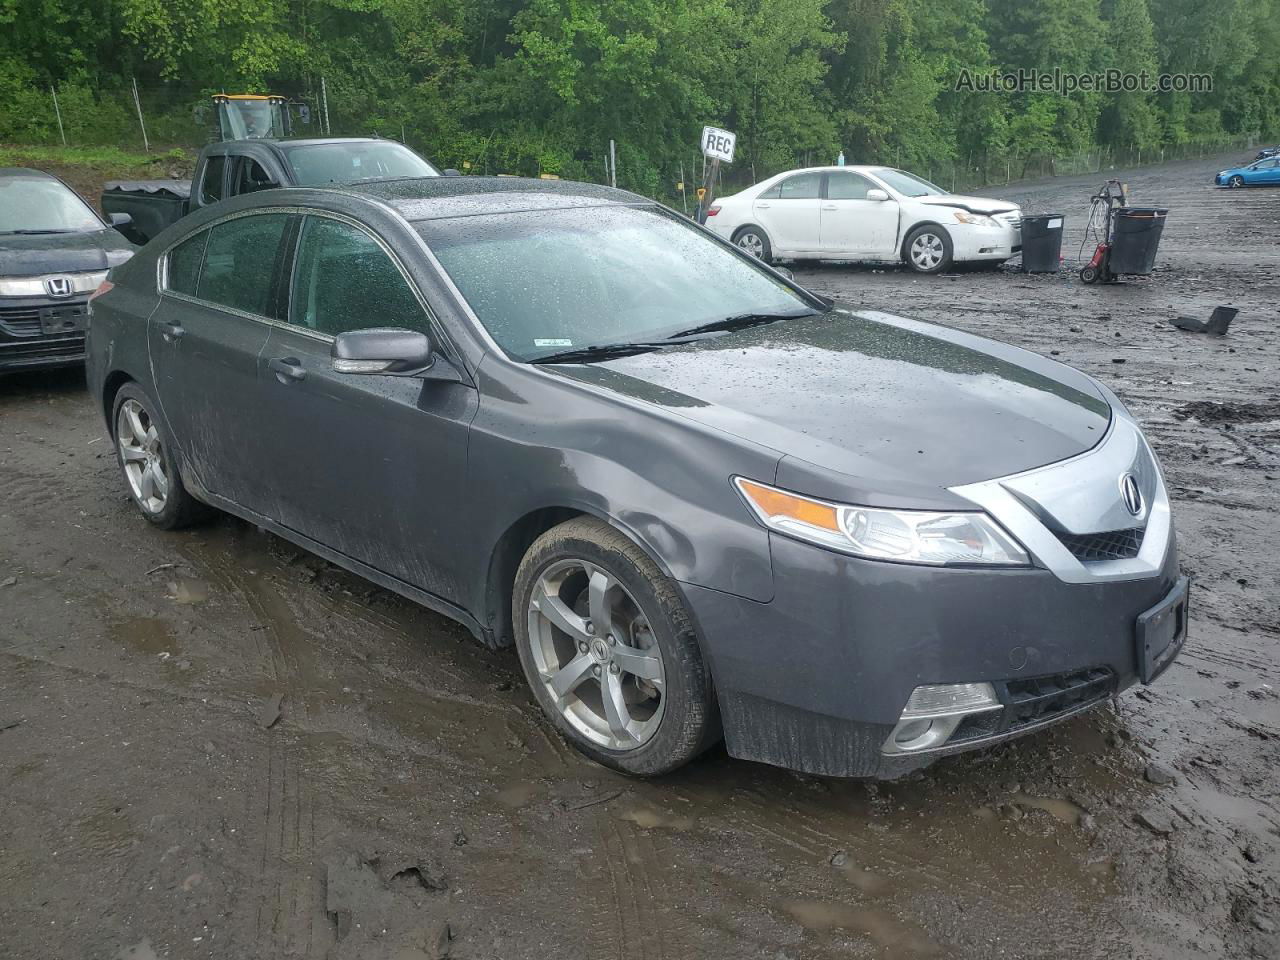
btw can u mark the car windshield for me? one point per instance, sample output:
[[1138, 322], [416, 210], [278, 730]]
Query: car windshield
[[38, 205], [908, 184], [546, 281], [315, 164]]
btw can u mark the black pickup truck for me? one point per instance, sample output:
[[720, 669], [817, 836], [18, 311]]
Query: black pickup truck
[[242, 166]]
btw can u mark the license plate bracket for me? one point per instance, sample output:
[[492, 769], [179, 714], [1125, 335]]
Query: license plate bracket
[[1162, 630], [69, 319]]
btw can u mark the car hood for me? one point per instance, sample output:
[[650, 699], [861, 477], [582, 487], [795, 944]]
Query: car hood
[[972, 204], [866, 395], [26, 255]]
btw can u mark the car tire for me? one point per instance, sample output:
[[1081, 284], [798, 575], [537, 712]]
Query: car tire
[[1235, 182], [755, 242], [633, 693], [143, 451], [928, 249]]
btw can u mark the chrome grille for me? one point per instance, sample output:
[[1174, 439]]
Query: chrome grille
[[1111, 545], [1012, 219]]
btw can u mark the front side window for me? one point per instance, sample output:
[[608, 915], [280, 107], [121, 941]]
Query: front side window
[[847, 186], [803, 186], [211, 185], [41, 205], [183, 274], [344, 280], [250, 176], [240, 263], [547, 281]]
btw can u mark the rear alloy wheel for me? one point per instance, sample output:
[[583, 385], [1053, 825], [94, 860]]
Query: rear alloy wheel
[[1236, 182], [753, 240], [609, 652], [148, 468], [928, 250]]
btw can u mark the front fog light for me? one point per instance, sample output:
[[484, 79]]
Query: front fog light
[[933, 713]]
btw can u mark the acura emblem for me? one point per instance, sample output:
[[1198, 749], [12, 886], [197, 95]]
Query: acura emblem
[[58, 286], [1131, 494]]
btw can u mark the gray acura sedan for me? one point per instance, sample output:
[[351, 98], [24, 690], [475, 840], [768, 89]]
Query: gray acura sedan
[[699, 500]]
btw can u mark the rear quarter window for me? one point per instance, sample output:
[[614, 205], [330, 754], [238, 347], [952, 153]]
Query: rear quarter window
[[211, 182], [240, 263], [183, 273]]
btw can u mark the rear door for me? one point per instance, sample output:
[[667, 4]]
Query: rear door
[[852, 225], [219, 293], [373, 466], [789, 213]]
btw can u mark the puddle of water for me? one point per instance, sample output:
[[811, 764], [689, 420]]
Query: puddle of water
[[148, 635], [188, 591], [106, 832], [649, 818], [516, 795], [1066, 811], [139, 951], [894, 936]]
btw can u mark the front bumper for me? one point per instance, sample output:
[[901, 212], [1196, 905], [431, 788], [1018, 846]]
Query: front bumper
[[973, 242], [816, 679], [41, 333]]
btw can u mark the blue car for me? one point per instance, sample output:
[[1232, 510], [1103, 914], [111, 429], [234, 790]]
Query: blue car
[[1258, 173]]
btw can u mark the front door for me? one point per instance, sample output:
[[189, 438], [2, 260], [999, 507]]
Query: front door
[[373, 466], [852, 225], [788, 212], [204, 340]]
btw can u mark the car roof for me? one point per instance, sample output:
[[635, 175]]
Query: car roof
[[25, 173], [314, 141], [433, 198]]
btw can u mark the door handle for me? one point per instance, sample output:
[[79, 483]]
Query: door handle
[[829, 206], [762, 206], [287, 369], [171, 331]]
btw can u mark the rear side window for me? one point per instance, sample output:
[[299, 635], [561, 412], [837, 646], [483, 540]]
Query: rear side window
[[847, 186], [183, 273], [211, 185], [240, 262], [803, 186], [345, 281]]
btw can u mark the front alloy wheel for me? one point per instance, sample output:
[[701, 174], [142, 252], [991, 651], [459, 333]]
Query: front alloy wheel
[[1236, 182], [609, 650], [596, 655]]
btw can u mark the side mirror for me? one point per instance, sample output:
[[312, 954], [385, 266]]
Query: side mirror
[[119, 220], [382, 350], [877, 194], [450, 172]]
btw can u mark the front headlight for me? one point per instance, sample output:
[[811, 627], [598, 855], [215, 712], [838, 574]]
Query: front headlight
[[903, 536], [976, 219]]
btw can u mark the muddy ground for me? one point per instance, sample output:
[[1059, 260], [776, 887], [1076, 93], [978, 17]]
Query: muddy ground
[[214, 745]]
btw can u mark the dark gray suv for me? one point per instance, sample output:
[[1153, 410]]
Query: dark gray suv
[[698, 499]]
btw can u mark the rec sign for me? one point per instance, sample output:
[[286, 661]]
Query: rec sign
[[718, 144]]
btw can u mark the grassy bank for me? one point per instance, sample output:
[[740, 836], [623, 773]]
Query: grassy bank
[[88, 168]]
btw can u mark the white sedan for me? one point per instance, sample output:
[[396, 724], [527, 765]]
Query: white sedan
[[874, 214]]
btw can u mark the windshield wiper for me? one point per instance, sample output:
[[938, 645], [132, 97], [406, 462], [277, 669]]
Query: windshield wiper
[[603, 351], [740, 321], [28, 233]]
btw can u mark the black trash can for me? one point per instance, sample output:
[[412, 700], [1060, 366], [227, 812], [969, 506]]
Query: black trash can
[[1041, 242], [1137, 238]]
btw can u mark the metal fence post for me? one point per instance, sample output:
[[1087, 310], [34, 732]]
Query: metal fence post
[[57, 112], [146, 144]]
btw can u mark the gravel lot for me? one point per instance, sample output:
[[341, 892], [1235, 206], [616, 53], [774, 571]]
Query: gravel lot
[[215, 745]]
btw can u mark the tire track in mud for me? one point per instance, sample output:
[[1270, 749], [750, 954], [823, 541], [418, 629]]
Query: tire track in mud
[[291, 916]]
